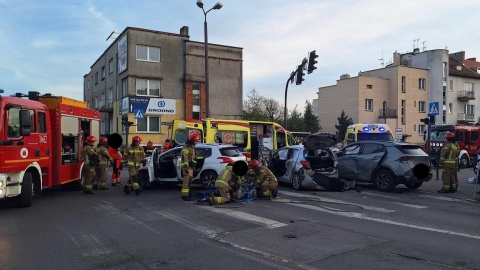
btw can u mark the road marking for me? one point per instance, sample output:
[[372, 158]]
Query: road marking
[[441, 198], [411, 205], [271, 224], [324, 199], [91, 245], [385, 221]]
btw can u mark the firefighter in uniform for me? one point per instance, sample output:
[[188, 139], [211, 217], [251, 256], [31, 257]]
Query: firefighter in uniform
[[90, 156], [101, 169], [449, 159], [188, 164], [231, 178], [135, 156], [116, 164], [265, 179]]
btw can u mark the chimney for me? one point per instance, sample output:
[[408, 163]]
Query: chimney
[[184, 31], [416, 50], [396, 59], [344, 76]]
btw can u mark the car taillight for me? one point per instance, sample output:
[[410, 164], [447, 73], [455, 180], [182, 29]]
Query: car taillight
[[404, 159], [305, 164], [225, 159]]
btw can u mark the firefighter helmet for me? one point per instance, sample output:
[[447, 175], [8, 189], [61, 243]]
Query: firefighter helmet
[[194, 137], [103, 141], [450, 136], [91, 139], [253, 164], [136, 139]]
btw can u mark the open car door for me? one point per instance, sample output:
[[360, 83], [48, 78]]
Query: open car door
[[167, 165], [277, 163], [151, 165]]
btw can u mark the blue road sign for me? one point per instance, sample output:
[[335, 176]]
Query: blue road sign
[[433, 108], [138, 113]]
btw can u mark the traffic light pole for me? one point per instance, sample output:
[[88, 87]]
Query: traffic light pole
[[286, 90]]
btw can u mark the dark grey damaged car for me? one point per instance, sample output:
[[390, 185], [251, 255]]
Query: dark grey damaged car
[[385, 164]]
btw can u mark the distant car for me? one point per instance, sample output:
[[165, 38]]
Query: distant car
[[305, 166], [385, 164], [211, 160]]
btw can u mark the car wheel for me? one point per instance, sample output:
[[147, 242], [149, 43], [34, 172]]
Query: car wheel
[[208, 179], [413, 185], [383, 180], [464, 161], [142, 179], [297, 181], [26, 195]]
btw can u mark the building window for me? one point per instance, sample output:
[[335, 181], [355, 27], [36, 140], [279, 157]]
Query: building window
[[468, 87], [148, 124], [369, 86], [146, 53], [469, 109], [88, 85], [369, 104], [103, 73], [445, 71], [96, 77], [421, 106], [403, 112], [421, 129], [110, 95], [421, 84], [110, 66], [450, 105], [110, 126], [451, 86], [125, 87], [148, 87], [102, 127], [404, 81]]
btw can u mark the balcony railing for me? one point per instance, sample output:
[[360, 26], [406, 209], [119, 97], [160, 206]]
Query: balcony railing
[[388, 113], [465, 95], [105, 105], [464, 117]]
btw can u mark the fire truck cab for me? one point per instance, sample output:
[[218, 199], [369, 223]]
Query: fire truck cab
[[467, 138], [41, 139]]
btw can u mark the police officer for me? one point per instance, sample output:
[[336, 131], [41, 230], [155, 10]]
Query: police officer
[[231, 178], [90, 156], [101, 169], [135, 156], [188, 164], [265, 179], [449, 159]]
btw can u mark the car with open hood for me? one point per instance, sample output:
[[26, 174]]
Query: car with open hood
[[308, 165]]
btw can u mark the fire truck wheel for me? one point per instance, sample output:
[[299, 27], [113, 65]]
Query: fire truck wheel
[[464, 161], [26, 195]]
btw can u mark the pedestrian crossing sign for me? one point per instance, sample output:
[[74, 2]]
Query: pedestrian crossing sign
[[138, 113], [433, 108]]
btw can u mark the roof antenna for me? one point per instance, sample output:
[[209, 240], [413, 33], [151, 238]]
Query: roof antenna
[[381, 59], [424, 46]]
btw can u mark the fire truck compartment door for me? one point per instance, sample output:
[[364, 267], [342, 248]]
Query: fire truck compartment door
[[69, 125]]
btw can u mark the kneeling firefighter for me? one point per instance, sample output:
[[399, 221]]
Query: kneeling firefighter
[[265, 179], [231, 178]]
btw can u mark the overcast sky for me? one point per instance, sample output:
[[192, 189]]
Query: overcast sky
[[48, 45]]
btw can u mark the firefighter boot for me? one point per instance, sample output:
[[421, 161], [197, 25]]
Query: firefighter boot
[[275, 193], [138, 191], [126, 189], [210, 200], [88, 192], [443, 191]]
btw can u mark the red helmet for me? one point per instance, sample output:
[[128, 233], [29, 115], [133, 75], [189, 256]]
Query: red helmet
[[103, 141], [449, 135], [91, 139], [253, 164], [136, 139], [194, 137]]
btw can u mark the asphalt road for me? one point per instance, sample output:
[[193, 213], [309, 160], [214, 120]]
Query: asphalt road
[[355, 229]]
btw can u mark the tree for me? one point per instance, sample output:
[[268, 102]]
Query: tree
[[273, 109], [253, 107], [310, 121], [295, 121], [343, 123]]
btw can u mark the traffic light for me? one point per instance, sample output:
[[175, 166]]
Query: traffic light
[[312, 62], [426, 121], [432, 119], [125, 121], [300, 73]]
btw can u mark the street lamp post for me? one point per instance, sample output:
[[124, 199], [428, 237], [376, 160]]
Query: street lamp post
[[207, 83]]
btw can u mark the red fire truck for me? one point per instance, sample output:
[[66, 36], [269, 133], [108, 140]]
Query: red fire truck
[[41, 139], [467, 138]]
